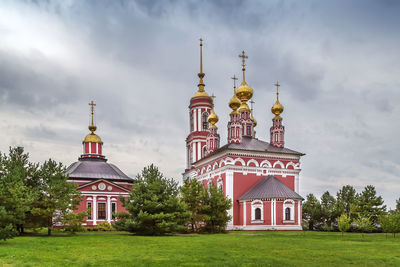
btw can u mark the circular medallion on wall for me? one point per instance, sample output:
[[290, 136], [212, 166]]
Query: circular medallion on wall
[[102, 186], [109, 188], [94, 187]]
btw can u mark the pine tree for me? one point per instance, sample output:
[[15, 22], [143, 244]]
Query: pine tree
[[398, 205], [154, 205], [16, 191], [192, 194], [56, 198], [345, 198], [312, 211], [369, 205], [328, 210], [214, 208]]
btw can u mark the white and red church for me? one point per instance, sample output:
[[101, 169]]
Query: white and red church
[[100, 183], [261, 178]]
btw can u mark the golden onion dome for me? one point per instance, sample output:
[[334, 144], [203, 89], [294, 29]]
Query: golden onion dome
[[234, 103], [213, 119], [277, 108], [92, 138], [244, 92]]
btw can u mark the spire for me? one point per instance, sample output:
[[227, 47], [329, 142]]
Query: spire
[[92, 127], [244, 57], [213, 118], [244, 92], [234, 103], [201, 85], [277, 108]]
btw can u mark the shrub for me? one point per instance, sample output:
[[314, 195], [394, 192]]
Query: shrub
[[103, 226]]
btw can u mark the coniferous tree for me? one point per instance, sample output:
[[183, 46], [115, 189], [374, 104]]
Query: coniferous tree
[[192, 194], [329, 213], [56, 199], [312, 211], [16, 193], [369, 205], [214, 208], [154, 205], [398, 205], [345, 199]]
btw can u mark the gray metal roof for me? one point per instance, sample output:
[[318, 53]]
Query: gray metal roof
[[96, 169], [270, 187], [249, 143]]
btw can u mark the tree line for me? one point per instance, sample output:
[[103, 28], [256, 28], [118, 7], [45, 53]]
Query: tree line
[[36, 196], [350, 211]]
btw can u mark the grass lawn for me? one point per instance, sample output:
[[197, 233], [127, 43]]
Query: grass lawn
[[233, 249]]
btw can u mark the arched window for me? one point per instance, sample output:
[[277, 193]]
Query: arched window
[[191, 154], [248, 130], [191, 122], [287, 214], [257, 214], [205, 121], [204, 151]]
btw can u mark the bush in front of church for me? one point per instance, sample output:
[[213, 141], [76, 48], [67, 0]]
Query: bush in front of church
[[154, 205]]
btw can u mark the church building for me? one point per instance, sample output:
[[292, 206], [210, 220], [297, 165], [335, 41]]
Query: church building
[[261, 178], [100, 183]]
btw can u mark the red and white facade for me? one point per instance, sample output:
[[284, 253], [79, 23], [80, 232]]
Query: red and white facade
[[101, 183], [261, 178]]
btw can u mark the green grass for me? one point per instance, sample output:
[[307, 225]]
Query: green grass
[[233, 249]]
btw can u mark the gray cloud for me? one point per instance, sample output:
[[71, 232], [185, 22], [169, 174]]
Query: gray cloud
[[337, 62]]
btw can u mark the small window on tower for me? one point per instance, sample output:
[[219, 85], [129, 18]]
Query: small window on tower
[[205, 121], [191, 122], [204, 151], [248, 130]]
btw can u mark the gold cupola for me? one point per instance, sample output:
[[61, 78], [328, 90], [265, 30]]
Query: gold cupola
[[92, 137], [277, 108], [213, 118], [244, 92], [201, 92], [234, 103]]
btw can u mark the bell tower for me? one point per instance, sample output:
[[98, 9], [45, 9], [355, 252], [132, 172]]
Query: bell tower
[[199, 110], [92, 144], [277, 130]]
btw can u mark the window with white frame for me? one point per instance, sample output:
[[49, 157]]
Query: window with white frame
[[288, 210], [257, 211]]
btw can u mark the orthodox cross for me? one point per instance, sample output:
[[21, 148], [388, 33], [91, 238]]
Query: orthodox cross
[[92, 104], [234, 81], [277, 89], [201, 55], [243, 56]]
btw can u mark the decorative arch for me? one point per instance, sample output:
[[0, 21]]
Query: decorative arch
[[276, 163], [290, 164], [265, 162], [252, 161], [203, 170], [229, 161], [239, 160], [288, 210], [208, 168], [221, 163], [215, 166], [257, 211]]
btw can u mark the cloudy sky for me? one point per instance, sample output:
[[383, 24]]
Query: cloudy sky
[[338, 63]]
